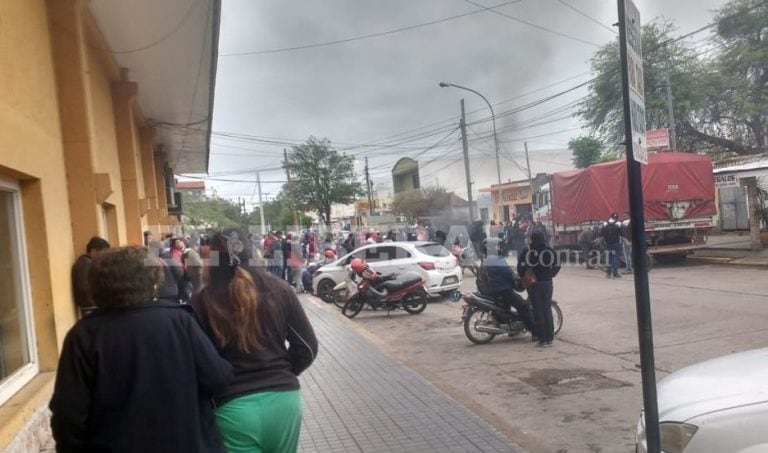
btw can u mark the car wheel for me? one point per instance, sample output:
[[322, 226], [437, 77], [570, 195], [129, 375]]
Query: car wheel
[[325, 290]]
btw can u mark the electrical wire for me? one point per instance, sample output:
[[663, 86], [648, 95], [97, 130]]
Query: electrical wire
[[542, 28], [591, 18], [372, 35]]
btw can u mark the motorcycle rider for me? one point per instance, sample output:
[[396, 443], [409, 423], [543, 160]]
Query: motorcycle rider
[[502, 283]]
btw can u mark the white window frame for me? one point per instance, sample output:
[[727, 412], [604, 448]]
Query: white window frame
[[19, 378]]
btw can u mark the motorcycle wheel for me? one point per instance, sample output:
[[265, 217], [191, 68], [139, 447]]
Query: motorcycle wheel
[[340, 298], [475, 318], [416, 302], [353, 306], [557, 317]]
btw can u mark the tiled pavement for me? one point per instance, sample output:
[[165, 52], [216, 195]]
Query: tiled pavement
[[358, 399]]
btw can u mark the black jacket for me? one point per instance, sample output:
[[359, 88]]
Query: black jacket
[[275, 368], [137, 379], [542, 259]]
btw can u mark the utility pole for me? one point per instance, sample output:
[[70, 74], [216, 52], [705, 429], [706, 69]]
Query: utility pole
[[670, 108], [530, 179], [463, 125], [261, 204], [368, 188], [290, 191]]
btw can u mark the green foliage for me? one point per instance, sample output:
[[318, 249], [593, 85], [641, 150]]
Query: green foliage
[[320, 177], [586, 151], [602, 110], [203, 212], [720, 93], [278, 215], [424, 202]]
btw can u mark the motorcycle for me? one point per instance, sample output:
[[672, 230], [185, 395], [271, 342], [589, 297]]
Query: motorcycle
[[484, 318], [386, 292], [346, 289]]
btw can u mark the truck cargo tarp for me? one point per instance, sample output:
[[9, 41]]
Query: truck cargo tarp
[[676, 186]]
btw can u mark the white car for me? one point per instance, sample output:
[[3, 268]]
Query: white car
[[716, 406], [434, 262]]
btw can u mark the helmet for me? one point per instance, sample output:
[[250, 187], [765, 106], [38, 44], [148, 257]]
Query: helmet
[[358, 265], [330, 254]]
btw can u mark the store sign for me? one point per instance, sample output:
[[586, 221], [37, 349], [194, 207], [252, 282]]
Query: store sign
[[636, 81], [657, 139], [726, 180]]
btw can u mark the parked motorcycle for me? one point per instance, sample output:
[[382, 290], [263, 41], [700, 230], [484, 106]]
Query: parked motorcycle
[[385, 292], [346, 289], [484, 318]]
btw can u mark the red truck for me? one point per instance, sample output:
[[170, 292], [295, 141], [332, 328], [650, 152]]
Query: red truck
[[678, 192]]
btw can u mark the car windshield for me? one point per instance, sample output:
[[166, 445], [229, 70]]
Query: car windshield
[[433, 250]]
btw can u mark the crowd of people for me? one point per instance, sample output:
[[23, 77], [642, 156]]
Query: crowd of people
[[141, 370]]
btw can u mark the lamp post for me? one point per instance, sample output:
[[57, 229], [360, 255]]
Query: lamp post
[[495, 138], [493, 120]]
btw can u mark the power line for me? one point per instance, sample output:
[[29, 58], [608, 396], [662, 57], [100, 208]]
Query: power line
[[548, 30], [372, 35], [591, 18]]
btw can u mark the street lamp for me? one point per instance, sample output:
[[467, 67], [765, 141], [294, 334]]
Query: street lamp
[[493, 119]]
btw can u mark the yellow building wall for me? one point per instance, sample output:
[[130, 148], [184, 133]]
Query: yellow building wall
[[105, 157], [31, 153]]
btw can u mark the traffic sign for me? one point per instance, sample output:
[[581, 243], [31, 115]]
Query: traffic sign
[[636, 82]]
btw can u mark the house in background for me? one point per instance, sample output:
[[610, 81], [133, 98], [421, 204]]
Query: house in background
[[99, 107]]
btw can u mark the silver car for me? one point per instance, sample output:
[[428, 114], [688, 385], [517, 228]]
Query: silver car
[[716, 406], [435, 263]]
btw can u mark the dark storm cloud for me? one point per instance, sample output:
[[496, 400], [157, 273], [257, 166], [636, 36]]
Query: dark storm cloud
[[360, 91]]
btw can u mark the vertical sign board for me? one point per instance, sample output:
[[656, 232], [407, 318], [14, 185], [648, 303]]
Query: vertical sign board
[[636, 81], [634, 128]]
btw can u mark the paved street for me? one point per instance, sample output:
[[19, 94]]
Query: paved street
[[583, 395], [358, 399]]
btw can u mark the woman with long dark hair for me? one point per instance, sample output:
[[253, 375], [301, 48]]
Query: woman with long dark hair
[[250, 315], [542, 260]]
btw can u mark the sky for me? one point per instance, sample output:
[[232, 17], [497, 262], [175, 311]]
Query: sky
[[378, 96]]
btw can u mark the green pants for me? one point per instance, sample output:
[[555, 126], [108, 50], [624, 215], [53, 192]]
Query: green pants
[[268, 422]]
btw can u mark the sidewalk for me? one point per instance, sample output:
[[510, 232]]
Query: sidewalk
[[731, 249], [358, 399]]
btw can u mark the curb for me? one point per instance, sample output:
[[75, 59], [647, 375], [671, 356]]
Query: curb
[[743, 262]]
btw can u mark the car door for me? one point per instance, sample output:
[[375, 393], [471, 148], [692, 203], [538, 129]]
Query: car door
[[393, 258]]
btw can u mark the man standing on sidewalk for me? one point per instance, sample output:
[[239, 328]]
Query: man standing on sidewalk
[[612, 237]]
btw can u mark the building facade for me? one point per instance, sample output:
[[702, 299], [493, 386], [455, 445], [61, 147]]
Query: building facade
[[95, 115]]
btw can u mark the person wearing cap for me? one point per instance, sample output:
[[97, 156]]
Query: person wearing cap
[[612, 236]]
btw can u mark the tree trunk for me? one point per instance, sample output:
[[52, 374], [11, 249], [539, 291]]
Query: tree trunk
[[730, 145]]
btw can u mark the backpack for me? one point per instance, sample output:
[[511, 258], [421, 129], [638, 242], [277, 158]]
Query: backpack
[[612, 234], [482, 279]]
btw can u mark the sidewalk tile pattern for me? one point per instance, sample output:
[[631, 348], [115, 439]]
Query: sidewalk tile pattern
[[358, 399]]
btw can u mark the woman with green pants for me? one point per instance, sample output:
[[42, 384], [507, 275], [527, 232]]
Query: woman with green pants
[[250, 316]]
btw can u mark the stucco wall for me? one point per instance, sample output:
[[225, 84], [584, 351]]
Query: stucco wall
[[105, 157]]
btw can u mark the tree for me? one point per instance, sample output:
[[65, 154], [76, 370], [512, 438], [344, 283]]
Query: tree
[[204, 212], [424, 202], [602, 109], [320, 177], [720, 94], [278, 214], [735, 111], [586, 151]]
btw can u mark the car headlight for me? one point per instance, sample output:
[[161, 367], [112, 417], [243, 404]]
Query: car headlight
[[675, 436]]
